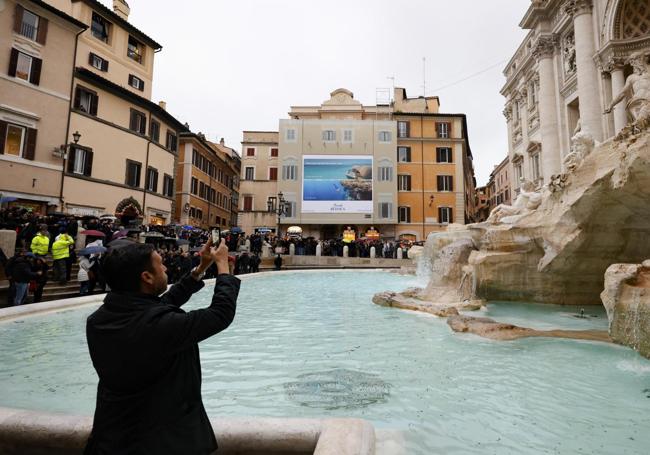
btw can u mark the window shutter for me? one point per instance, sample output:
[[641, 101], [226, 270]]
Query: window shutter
[[35, 77], [88, 165], [41, 36], [104, 65], [30, 145], [449, 130], [77, 97], [451, 215], [132, 122], [131, 80], [94, 101], [18, 18], [408, 154], [408, 129], [13, 62], [90, 58], [141, 86], [71, 157], [439, 182], [451, 183], [155, 181], [439, 214], [438, 155], [3, 134], [450, 155], [143, 125]]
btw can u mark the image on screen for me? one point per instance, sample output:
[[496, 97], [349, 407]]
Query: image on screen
[[337, 183]]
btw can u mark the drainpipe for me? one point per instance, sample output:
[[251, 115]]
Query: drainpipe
[[67, 128], [422, 181], [146, 167]]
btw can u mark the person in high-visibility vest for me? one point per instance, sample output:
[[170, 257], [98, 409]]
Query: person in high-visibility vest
[[41, 242], [61, 252]]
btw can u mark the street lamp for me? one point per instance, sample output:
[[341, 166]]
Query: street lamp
[[64, 154], [280, 210]]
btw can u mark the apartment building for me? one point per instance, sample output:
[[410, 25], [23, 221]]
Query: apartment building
[[499, 186], [36, 68], [259, 181], [233, 160], [435, 172], [403, 169], [206, 177]]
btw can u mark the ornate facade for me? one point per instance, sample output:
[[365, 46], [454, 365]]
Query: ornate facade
[[564, 75]]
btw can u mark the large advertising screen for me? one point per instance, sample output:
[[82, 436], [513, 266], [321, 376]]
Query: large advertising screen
[[337, 184]]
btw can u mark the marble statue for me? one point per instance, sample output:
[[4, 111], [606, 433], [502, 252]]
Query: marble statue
[[636, 90], [569, 54], [582, 143], [527, 201]]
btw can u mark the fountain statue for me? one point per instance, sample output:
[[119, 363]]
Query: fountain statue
[[637, 91], [551, 246]]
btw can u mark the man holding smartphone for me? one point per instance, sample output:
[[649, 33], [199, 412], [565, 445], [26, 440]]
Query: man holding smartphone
[[144, 348]]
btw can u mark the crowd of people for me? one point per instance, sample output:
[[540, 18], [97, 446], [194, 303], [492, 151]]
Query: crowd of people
[[40, 238]]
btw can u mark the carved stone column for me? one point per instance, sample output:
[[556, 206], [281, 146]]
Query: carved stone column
[[549, 128], [591, 109], [615, 68]]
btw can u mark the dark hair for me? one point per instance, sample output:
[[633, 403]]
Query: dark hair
[[123, 265]]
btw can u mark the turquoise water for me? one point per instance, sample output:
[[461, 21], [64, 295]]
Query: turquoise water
[[313, 345]]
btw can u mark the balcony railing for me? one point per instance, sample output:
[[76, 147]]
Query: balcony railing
[[28, 31]]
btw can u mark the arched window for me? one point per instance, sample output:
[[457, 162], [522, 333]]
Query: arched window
[[633, 19]]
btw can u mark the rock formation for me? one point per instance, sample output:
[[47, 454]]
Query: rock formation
[[627, 300], [489, 328]]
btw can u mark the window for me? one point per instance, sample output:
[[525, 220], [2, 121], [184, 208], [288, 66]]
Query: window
[[154, 130], [248, 203], [445, 183], [202, 190], [14, 140], [136, 82], [135, 50], [442, 129], [28, 25], [404, 154], [403, 129], [537, 174], [290, 211], [97, 62], [133, 169], [518, 174], [151, 182], [404, 183], [171, 141], [25, 67], [289, 172], [194, 186], [273, 173], [80, 161], [404, 214], [384, 136], [100, 28], [291, 135], [443, 155], [168, 185], [385, 173], [86, 100], [195, 157], [250, 151], [385, 210], [249, 173], [274, 152], [138, 122], [445, 215], [271, 203], [347, 136], [329, 135]]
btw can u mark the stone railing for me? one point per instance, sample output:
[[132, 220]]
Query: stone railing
[[35, 433]]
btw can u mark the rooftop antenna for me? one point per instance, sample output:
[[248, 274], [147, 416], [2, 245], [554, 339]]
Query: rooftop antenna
[[424, 77]]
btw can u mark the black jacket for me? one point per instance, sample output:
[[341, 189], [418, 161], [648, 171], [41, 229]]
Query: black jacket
[[144, 349], [20, 270]]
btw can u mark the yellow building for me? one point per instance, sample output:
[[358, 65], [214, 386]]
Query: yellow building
[[435, 172], [37, 45], [124, 162]]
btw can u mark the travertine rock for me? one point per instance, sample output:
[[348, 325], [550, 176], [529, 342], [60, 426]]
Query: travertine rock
[[489, 328], [627, 300]]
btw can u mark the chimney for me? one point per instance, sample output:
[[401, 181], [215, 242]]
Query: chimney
[[121, 8], [222, 142], [163, 105]]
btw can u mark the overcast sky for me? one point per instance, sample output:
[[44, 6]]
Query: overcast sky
[[228, 66]]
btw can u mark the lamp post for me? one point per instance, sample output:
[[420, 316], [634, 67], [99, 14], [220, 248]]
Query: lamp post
[[280, 210], [64, 154]]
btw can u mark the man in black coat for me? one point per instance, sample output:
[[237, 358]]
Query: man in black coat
[[144, 349]]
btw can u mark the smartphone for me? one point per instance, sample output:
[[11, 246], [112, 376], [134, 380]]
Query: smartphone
[[216, 236]]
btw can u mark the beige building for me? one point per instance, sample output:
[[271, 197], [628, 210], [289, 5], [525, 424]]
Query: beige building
[[499, 187], [259, 180], [206, 178], [573, 62], [233, 161], [124, 162], [37, 52]]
